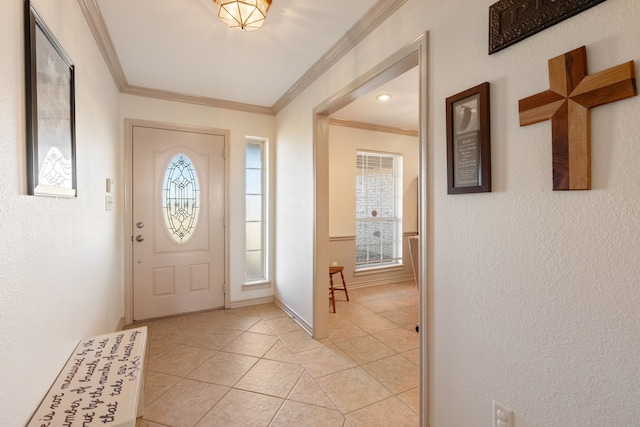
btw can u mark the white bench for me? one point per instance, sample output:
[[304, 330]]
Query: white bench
[[101, 384]]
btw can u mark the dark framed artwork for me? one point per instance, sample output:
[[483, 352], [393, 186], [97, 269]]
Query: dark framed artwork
[[511, 21], [50, 111], [468, 141]]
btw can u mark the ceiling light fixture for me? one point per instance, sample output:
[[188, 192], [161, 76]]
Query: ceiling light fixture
[[383, 97], [245, 15]]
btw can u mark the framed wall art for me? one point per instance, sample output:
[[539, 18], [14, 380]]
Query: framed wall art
[[468, 141], [50, 111], [511, 21]]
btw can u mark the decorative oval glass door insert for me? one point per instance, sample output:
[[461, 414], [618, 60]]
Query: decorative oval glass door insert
[[181, 198]]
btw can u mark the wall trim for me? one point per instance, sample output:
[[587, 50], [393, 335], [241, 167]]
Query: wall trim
[[371, 127], [369, 22], [348, 238], [254, 286], [407, 278], [294, 316], [194, 99], [250, 302], [121, 324]]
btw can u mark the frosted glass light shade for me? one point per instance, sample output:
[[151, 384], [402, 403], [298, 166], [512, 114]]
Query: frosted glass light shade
[[246, 15]]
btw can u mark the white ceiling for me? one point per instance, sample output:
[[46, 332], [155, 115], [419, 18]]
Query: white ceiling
[[183, 47]]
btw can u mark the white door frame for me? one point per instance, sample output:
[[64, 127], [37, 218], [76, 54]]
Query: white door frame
[[128, 204], [414, 54]]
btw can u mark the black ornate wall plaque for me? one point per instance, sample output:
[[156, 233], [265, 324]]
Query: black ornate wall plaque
[[513, 20]]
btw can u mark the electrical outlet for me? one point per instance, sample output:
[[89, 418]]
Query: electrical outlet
[[502, 417]]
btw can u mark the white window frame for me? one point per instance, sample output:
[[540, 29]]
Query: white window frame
[[368, 217], [264, 278]]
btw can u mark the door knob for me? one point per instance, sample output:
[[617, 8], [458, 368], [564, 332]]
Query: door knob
[[139, 238]]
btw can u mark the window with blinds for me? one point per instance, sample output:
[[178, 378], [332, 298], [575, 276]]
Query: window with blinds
[[378, 209]]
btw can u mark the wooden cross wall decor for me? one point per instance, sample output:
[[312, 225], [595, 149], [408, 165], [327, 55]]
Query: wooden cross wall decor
[[572, 92]]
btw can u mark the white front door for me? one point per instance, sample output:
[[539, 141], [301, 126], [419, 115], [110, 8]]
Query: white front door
[[178, 221]]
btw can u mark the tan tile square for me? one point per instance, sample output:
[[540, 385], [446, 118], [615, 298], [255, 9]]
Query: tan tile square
[[242, 409], [403, 316], [345, 330], [240, 322], [350, 309], [412, 399], [374, 323], [158, 348], [283, 325], [144, 423], [301, 414], [271, 377], [406, 300], [209, 337], [308, 391], [269, 311], [366, 294], [210, 317], [399, 339], [281, 353], [365, 349], [184, 404], [380, 305], [155, 384], [389, 412], [352, 389], [396, 373], [180, 361], [223, 368], [261, 328], [173, 330], [299, 341], [251, 344], [413, 355], [325, 360]]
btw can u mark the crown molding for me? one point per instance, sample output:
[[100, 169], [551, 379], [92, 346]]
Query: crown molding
[[369, 22], [96, 23], [371, 127], [374, 17], [194, 99]]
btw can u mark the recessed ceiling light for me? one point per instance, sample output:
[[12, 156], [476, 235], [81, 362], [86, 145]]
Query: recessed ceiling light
[[383, 97]]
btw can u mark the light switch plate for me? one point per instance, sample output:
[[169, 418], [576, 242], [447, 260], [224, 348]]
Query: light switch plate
[[502, 417]]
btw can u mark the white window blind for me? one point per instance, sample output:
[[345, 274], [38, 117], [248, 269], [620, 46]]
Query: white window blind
[[378, 209]]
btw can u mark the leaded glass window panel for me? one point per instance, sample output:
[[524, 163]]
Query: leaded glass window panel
[[255, 211], [181, 198]]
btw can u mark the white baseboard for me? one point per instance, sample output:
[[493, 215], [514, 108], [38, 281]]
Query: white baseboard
[[249, 302], [307, 327], [121, 324], [377, 282]]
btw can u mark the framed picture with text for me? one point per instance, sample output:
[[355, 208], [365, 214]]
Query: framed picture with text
[[468, 141], [50, 111]]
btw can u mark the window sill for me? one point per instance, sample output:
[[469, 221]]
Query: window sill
[[363, 271], [251, 286]]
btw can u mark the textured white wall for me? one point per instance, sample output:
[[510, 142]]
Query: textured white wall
[[534, 294], [240, 125], [61, 260]]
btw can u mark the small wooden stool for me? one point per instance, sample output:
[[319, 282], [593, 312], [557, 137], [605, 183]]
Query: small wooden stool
[[333, 269]]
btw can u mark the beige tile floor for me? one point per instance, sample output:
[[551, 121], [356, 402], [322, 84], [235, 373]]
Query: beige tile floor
[[255, 366]]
